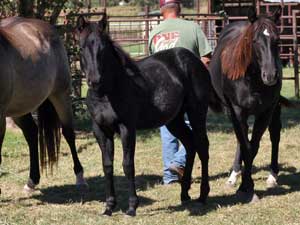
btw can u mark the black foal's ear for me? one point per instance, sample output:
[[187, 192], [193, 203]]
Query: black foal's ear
[[103, 22], [277, 14], [81, 23], [252, 17]]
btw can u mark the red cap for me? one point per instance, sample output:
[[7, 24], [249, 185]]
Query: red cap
[[165, 2]]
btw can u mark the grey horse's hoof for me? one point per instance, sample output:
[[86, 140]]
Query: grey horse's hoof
[[246, 197], [29, 187]]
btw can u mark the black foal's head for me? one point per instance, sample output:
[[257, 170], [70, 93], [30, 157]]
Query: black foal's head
[[92, 40], [265, 41]]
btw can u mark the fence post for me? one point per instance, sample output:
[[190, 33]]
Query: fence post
[[296, 62], [146, 29]]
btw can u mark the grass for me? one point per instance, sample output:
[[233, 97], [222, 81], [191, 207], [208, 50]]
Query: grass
[[58, 202]]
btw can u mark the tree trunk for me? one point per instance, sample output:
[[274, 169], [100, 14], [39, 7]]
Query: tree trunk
[[25, 8]]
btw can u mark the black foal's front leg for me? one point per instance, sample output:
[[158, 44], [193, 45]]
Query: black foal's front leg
[[128, 136], [274, 130], [105, 139]]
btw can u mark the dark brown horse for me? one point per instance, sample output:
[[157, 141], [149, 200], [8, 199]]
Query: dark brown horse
[[34, 75], [246, 74]]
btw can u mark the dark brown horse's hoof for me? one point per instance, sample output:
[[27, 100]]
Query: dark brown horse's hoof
[[82, 188], [246, 197], [131, 212], [107, 212]]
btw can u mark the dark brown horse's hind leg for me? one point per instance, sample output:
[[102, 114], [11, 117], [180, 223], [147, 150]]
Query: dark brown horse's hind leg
[[62, 104], [30, 132]]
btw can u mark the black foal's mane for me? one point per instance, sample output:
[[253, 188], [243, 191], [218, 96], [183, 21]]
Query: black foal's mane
[[236, 56], [130, 67]]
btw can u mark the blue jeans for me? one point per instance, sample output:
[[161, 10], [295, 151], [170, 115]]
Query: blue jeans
[[172, 154]]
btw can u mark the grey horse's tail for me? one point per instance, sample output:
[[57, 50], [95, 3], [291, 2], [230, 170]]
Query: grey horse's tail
[[49, 135]]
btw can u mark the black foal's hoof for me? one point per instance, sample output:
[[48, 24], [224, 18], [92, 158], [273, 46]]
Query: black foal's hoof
[[247, 197], [131, 212], [107, 212], [201, 201], [185, 198]]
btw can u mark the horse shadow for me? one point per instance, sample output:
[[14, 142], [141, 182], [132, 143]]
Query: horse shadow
[[67, 194], [287, 183], [255, 170]]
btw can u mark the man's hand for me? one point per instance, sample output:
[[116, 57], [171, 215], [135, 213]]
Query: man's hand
[[206, 59]]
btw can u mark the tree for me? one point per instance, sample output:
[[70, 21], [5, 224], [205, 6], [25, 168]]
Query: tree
[[42, 9]]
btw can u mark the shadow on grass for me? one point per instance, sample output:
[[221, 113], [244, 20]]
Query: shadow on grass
[[215, 202], [3, 174], [69, 194], [254, 171]]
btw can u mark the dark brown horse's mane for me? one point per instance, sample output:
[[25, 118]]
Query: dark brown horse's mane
[[237, 54]]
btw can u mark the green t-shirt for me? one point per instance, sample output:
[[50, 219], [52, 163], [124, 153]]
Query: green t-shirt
[[179, 33]]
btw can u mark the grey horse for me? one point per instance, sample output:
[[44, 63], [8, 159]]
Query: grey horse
[[34, 76]]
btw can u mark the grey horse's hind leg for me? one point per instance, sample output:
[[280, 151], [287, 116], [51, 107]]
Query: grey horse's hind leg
[[2, 133], [63, 107], [30, 132]]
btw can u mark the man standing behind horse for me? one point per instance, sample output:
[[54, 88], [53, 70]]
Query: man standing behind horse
[[176, 32]]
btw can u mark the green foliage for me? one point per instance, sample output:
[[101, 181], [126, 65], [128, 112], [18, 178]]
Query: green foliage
[[7, 8]]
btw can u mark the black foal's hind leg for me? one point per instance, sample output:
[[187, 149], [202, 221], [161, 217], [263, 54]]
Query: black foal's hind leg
[[128, 136], [105, 139], [197, 116], [2, 133], [30, 131], [62, 104], [274, 130], [180, 130]]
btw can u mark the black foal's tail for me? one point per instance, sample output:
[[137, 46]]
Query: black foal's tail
[[215, 103], [49, 134]]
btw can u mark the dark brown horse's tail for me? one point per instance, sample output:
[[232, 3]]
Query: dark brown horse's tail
[[288, 103], [49, 135]]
